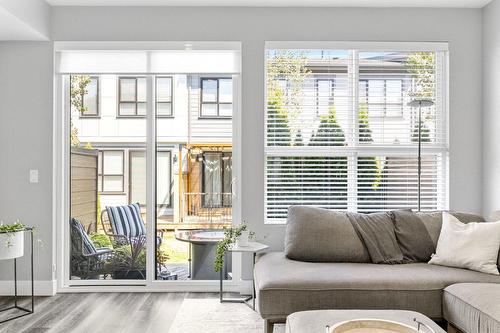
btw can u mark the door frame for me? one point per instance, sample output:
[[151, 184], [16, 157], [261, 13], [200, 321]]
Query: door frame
[[61, 196]]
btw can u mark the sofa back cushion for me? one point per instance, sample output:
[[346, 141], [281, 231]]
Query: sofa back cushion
[[418, 232], [413, 237], [320, 235]]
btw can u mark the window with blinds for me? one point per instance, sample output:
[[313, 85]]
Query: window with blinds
[[340, 134]]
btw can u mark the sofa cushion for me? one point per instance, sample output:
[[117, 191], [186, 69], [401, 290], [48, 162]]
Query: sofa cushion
[[377, 232], [320, 235], [285, 286], [433, 221], [473, 307], [412, 235]]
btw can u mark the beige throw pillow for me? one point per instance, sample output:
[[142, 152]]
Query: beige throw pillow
[[473, 245]]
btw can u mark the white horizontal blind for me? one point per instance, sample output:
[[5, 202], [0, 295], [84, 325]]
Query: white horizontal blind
[[341, 136]]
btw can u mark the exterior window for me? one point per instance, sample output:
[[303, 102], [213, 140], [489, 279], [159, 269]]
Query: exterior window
[[137, 177], [216, 98], [164, 96], [87, 92], [110, 171], [217, 178], [383, 97], [343, 136], [132, 96], [324, 95]]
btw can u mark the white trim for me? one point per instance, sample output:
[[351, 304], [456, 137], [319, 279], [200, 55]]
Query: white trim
[[348, 45], [145, 45], [42, 288]]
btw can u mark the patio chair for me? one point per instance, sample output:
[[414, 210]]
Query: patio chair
[[87, 261], [124, 224]]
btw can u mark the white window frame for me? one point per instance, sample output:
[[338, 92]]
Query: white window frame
[[354, 148]]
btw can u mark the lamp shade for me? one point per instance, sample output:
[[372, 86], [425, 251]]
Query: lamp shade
[[423, 102]]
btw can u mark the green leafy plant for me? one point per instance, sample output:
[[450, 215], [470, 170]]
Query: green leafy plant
[[130, 257], [15, 227], [100, 240], [230, 236]]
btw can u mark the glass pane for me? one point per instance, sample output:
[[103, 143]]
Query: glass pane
[[164, 89], [209, 110], [112, 184], [127, 89], [141, 109], [113, 162], [391, 182], [106, 173], [164, 109], [225, 110], [163, 178], [90, 99], [393, 80], [225, 90], [324, 96], [212, 176], [227, 170], [307, 113], [127, 109], [141, 89], [209, 90], [138, 177], [313, 181]]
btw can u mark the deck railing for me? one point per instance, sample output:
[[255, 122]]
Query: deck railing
[[207, 208]]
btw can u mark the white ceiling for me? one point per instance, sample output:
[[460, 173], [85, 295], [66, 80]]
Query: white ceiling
[[278, 3]]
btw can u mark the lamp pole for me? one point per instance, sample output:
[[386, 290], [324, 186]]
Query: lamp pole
[[420, 102]]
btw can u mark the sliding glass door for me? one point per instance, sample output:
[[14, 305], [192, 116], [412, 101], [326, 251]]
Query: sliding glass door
[[150, 180]]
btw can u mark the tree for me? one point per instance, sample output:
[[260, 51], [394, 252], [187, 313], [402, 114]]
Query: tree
[[329, 132], [299, 141], [78, 90], [332, 170], [283, 103], [369, 169], [278, 132], [425, 133], [421, 65]]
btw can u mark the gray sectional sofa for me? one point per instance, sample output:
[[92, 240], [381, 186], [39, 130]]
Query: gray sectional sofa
[[326, 265]]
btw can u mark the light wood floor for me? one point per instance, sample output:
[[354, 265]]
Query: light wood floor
[[100, 313]]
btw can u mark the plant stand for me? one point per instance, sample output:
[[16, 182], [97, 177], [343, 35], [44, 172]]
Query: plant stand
[[25, 311]]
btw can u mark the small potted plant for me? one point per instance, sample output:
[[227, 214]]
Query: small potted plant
[[129, 261], [11, 240], [238, 234]]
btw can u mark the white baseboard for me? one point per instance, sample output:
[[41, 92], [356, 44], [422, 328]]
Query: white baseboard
[[42, 288], [245, 287]]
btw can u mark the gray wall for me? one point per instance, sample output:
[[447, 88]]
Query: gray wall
[[26, 73], [253, 26], [491, 110]]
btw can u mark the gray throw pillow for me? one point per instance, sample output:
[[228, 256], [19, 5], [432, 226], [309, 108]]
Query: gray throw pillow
[[378, 234], [413, 237], [320, 235], [418, 232]]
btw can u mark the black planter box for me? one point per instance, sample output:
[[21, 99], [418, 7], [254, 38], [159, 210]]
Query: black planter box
[[129, 275]]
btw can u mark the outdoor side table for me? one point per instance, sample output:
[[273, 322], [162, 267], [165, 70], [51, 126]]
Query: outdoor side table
[[253, 247], [16, 306]]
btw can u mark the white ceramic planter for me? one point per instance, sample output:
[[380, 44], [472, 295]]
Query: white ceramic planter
[[242, 240], [11, 245]]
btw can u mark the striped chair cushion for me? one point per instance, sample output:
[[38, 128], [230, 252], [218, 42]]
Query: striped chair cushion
[[126, 220], [87, 244]]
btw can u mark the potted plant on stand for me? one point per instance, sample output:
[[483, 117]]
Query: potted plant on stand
[[12, 240], [238, 234]]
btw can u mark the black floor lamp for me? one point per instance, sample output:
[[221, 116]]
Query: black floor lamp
[[420, 103]]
